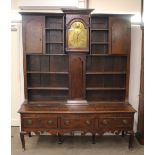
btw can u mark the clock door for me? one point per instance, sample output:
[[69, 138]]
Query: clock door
[[77, 36], [77, 78]]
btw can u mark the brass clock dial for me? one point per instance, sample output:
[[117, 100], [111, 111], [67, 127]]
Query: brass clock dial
[[77, 35]]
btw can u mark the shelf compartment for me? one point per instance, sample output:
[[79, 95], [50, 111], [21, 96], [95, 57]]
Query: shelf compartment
[[40, 63], [54, 48], [47, 63], [114, 81], [54, 36], [47, 81], [54, 22], [47, 95], [99, 22], [105, 95], [106, 64], [99, 48], [99, 36]]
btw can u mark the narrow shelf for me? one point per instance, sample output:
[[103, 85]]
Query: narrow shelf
[[37, 72], [103, 88], [59, 29], [100, 73], [55, 54], [57, 42], [100, 29], [107, 54], [43, 54], [47, 88], [99, 42]]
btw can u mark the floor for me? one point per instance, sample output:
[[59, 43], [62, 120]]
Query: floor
[[47, 145]]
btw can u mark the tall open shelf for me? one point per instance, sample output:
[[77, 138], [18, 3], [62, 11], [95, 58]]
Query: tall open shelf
[[99, 35], [47, 78], [47, 73], [54, 31], [105, 72], [106, 78]]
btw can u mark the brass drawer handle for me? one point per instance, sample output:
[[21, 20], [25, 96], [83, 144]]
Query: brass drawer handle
[[29, 121], [87, 122], [104, 122], [50, 122], [125, 121], [67, 122]]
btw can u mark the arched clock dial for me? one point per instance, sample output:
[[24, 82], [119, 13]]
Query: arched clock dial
[[77, 35]]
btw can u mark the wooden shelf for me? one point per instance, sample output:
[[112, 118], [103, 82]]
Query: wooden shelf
[[107, 54], [43, 54], [100, 73], [99, 42], [100, 29], [57, 54], [54, 42], [47, 88], [37, 72], [103, 88], [59, 29]]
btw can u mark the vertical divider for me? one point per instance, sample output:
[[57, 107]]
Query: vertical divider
[[90, 31], [63, 34]]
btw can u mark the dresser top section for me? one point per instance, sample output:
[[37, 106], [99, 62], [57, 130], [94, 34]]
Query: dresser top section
[[91, 107]]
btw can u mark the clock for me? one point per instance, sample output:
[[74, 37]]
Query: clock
[[77, 23], [77, 36]]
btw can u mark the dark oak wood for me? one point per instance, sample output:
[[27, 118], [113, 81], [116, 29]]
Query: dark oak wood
[[76, 90], [120, 34], [33, 27], [77, 78]]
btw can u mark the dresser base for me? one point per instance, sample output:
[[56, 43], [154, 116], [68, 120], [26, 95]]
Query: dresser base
[[62, 119]]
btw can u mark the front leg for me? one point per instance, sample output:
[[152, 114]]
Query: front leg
[[60, 141], [30, 134], [22, 140], [131, 139], [93, 139]]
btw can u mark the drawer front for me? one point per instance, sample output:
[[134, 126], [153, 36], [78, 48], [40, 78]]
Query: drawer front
[[31, 122], [121, 122], [41, 122], [77, 123], [50, 122]]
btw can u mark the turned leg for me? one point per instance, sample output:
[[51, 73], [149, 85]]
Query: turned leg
[[131, 139], [93, 139], [123, 133], [22, 140], [60, 139], [30, 134]]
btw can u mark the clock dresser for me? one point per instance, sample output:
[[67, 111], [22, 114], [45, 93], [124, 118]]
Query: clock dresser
[[76, 74]]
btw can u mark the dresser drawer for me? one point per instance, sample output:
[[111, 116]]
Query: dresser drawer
[[50, 122], [115, 122], [31, 122], [40, 122], [76, 123]]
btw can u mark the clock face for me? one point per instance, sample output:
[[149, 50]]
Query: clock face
[[77, 36]]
